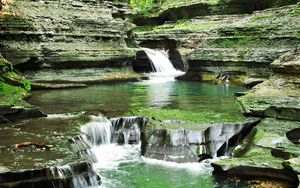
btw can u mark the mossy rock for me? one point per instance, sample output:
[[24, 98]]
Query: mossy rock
[[267, 153]]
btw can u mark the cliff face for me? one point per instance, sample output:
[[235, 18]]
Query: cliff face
[[172, 10], [64, 33], [237, 46]]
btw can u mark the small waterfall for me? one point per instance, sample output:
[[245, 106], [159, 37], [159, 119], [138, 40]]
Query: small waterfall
[[160, 63], [127, 129], [99, 130], [77, 175]]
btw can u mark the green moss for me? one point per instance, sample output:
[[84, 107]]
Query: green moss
[[186, 116], [142, 5], [27, 85], [9, 94]]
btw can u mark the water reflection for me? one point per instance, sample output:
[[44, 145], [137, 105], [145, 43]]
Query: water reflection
[[117, 99], [159, 92]]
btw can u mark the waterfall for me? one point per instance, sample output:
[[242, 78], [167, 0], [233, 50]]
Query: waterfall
[[99, 130], [160, 63], [77, 175]]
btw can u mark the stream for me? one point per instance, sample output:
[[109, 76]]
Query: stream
[[122, 166]]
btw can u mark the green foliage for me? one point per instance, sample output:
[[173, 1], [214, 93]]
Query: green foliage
[[11, 94], [142, 5], [27, 85]]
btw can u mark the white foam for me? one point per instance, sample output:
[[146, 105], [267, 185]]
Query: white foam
[[193, 167], [163, 69], [65, 115], [110, 156]]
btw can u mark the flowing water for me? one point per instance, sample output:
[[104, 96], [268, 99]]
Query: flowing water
[[122, 166], [161, 65]]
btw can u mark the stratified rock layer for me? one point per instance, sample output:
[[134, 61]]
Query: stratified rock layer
[[279, 96], [274, 148], [64, 33], [266, 152], [233, 46]]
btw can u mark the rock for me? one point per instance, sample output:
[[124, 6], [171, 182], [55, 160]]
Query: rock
[[181, 145], [251, 82], [62, 34], [294, 135], [288, 63], [70, 78], [41, 86], [266, 154], [63, 176], [277, 97], [176, 10], [24, 112], [239, 46]]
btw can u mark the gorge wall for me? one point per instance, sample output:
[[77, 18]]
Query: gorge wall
[[52, 36], [234, 44], [64, 34]]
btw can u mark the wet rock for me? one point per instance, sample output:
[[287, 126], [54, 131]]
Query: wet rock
[[64, 176], [127, 130], [241, 46], [182, 145], [24, 112], [266, 153]]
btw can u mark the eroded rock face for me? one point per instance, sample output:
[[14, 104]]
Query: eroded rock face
[[169, 10], [277, 97], [193, 145], [266, 152], [236, 46], [273, 150], [64, 33]]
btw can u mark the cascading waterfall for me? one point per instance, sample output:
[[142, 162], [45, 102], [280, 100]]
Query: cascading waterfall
[[161, 65], [77, 175], [99, 130], [110, 142]]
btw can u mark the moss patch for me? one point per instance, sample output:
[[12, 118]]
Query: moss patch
[[10, 94], [187, 116]]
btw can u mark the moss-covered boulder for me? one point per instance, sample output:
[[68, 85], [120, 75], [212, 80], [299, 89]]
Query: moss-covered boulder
[[13, 89]]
